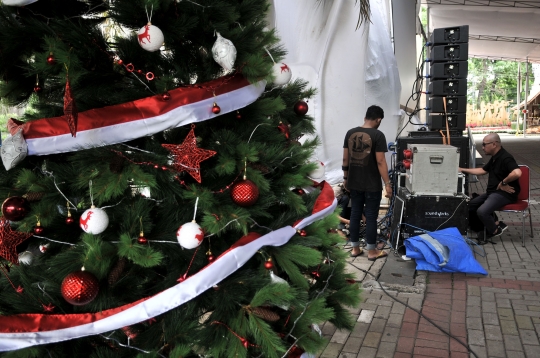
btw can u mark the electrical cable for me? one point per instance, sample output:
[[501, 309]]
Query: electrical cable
[[417, 311]]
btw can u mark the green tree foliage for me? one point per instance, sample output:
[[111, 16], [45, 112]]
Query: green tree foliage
[[87, 38], [491, 81]]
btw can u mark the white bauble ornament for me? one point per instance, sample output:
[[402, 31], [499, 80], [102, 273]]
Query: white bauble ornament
[[18, 2], [190, 235], [94, 221], [150, 37], [319, 172], [224, 52], [282, 74]]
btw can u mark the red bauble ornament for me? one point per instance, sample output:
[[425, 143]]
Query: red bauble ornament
[[269, 264], [141, 239], [120, 62], [50, 59], [244, 193], [215, 108], [37, 88], [166, 96], [38, 229], [80, 288], [210, 257], [15, 208], [238, 115], [69, 220], [302, 232], [315, 274], [301, 108], [187, 157]]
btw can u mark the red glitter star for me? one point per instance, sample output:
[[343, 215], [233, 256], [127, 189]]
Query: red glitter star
[[9, 240], [188, 157], [48, 307]]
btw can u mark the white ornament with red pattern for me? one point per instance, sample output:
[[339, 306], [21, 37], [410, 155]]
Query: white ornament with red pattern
[[94, 220], [18, 2], [319, 172], [150, 37], [282, 74], [190, 235]]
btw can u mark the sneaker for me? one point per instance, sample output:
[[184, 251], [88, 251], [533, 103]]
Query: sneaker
[[502, 226], [498, 232]]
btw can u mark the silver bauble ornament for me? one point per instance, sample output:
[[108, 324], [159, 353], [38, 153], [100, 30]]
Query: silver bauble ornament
[[14, 150]]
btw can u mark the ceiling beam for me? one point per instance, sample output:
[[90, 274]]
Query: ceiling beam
[[531, 4], [523, 40]]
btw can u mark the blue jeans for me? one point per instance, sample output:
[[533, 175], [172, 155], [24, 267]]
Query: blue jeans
[[485, 205], [372, 201]]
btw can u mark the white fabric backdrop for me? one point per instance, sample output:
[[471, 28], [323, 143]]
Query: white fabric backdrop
[[352, 69]]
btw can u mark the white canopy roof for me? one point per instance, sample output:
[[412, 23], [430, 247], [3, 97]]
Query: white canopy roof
[[498, 29]]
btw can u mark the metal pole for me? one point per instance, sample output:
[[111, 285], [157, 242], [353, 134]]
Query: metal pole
[[518, 98], [525, 115]]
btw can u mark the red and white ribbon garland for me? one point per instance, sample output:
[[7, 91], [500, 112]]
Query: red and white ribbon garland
[[140, 118], [25, 330]]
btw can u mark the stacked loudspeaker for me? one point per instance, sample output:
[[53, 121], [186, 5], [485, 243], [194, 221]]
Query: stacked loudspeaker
[[448, 78]]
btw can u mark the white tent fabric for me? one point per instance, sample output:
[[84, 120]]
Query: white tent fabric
[[351, 69], [506, 30]]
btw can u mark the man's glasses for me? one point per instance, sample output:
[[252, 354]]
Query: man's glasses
[[484, 144]]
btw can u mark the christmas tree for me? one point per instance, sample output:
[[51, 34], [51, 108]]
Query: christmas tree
[[157, 198]]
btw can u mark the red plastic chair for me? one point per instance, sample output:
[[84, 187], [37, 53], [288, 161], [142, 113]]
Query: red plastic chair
[[522, 204]]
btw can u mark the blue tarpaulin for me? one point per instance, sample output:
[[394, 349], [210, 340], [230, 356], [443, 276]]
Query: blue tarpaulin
[[443, 251]]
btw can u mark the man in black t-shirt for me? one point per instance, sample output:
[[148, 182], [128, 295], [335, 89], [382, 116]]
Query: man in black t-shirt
[[364, 164], [502, 187]]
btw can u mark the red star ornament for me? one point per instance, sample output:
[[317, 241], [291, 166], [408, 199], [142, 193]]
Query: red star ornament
[[188, 157], [9, 240]]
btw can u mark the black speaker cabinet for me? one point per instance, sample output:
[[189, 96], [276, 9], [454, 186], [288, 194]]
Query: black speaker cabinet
[[444, 70], [453, 87], [445, 53], [446, 35], [431, 213], [455, 121], [453, 104]]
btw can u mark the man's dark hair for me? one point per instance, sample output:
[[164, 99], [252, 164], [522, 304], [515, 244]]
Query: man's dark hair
[[374, 112]]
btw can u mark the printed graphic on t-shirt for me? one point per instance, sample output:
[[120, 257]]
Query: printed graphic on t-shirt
[[359, 149]]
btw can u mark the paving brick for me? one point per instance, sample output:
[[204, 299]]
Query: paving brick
[[431, 344], [495, 349], [360, 329], [411, 316], [328, 329], [528, 337], [512, 343], [366, 316], [401, 355], [480, 351], [490, 318], [409, 329], [340, 336], [524, 322], [459, 305], [493, 333], [386, 350], [390, 334], [379, 302], [476, 338], [398, 308], [383, 312], [456, 346], [394, 320], [372, 339], [531, 351], [368, 306], [509, 327], [367, 352], [473, 291], [332, 350], [505, 313], [431, 336], [430, 352], [458, 329], [405, 344], [458, 317], [352, 345], [377, 325], [474, 323]]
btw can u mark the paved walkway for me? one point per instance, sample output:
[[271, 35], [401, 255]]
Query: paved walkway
[[495, 316]]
